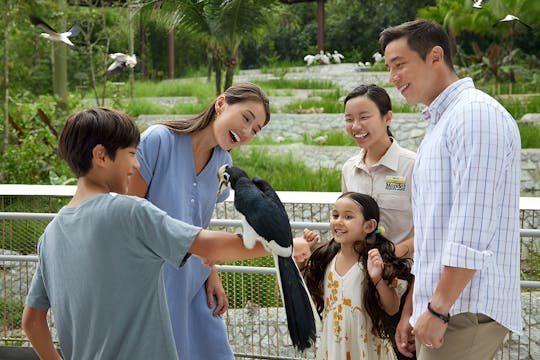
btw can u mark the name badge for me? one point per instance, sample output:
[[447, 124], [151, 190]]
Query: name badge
[[396, 183]]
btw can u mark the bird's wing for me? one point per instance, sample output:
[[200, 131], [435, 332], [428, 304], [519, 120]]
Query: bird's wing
[[74, 31], [43, 25], [267, 190], [266, 216], [524, 24], [114, 68]]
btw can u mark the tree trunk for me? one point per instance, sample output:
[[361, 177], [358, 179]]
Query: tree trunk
[[131, 46], [229, 76], [5, 85], [60, 65], [142, 47], [171, 53], [217, 70], [320, 25]]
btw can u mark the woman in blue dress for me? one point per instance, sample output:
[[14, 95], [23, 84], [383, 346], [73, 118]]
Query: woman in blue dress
[[179, 161]]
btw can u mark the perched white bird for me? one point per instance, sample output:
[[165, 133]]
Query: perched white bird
[[320, 139], [309, 59], [510, 18], [337, 57], [478, 3], [52, 35], [323, 58], [377, 57], [121, 62]]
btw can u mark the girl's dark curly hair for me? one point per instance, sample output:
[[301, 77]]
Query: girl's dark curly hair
[[394, 267]]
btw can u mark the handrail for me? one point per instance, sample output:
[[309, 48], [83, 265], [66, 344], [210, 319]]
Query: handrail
[[304, 197]]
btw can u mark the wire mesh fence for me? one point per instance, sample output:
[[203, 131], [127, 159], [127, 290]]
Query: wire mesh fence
[[255, 321]]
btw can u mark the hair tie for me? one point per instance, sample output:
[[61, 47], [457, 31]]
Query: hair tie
[[379, 230]]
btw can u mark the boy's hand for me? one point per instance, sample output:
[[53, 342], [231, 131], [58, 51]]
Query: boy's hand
[[214, 287]]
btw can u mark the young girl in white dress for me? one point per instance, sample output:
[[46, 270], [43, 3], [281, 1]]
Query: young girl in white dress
[[356, 282]]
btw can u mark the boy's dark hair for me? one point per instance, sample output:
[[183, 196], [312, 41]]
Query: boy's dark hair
[[422, 35], [376, 94], [88, 128], [394, 267]]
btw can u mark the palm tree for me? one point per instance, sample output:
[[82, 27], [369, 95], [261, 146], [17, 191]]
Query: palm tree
[[221, 25]]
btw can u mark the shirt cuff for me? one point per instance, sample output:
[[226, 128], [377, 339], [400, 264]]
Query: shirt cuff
[[459, 255]]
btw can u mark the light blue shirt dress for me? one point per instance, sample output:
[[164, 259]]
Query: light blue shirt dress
[[167, 166]]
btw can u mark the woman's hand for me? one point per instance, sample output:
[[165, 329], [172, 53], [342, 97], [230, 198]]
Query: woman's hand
[[215, 288]]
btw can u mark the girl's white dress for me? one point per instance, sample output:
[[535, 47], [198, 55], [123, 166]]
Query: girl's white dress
[[346, 330]]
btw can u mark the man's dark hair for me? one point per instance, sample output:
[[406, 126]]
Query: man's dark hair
[[88, 128], [422, 35]]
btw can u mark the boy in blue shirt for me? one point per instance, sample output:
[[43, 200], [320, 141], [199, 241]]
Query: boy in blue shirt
[[100, 259]]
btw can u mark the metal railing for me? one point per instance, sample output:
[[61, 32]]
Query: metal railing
[[255, 320]]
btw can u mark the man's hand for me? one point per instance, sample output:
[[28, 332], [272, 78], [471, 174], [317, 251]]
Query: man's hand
[[215, 288], [429, 330]]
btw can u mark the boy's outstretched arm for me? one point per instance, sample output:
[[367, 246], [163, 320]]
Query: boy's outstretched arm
[[34, 322], [221, 246]]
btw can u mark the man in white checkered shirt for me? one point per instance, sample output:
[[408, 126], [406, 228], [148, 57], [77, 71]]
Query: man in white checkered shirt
[[466, 189]]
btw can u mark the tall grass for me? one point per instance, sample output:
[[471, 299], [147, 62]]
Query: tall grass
[[530, 136], [519, 106], [189, 87], [267, 85], [285, 172]]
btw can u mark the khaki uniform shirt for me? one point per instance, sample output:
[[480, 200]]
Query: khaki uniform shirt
[[389, 183]]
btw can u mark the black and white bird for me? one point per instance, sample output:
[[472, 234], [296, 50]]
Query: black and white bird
[[121, 62], [478, 3], [52, 34], [509, 19], [265, 219]]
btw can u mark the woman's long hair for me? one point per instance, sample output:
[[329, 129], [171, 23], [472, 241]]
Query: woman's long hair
[[394, 267], [237, 93]]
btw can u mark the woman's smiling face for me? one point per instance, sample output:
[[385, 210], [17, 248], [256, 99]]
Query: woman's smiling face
[[236, 124], [364, 122]]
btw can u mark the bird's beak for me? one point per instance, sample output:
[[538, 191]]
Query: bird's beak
[[223, 177]]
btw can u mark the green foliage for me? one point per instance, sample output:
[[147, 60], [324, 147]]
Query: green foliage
[[15, 309], [286, 173], [521, 105], [530, 136], [327, 102], [268, 85], [331, 138], [31, 157]]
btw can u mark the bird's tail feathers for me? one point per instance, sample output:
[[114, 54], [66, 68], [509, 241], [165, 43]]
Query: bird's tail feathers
[[302, 318]]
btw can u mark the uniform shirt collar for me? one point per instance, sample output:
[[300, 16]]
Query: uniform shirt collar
[[434, 111], [390, 159]]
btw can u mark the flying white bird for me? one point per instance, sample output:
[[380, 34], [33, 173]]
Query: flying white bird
[[510, 18], [337, 57], [52, 35], [478, 3], [121, 62]]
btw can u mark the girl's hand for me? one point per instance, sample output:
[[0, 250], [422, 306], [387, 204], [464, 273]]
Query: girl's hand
[[375, 265], [311, 237]]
